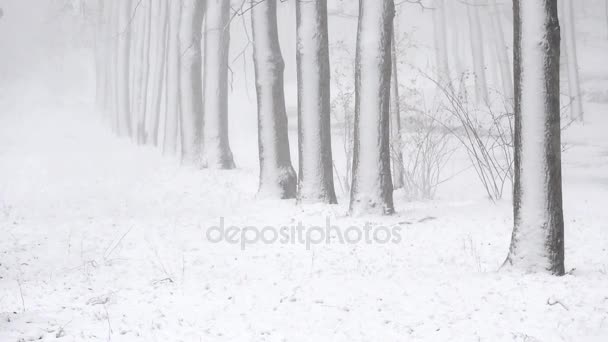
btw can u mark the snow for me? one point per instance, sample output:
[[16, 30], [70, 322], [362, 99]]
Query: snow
[[104, 240]]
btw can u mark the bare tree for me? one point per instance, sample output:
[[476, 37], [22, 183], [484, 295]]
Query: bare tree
[[172, 88], [574, 85], [191, 90], [441, 44], [372, 187], [123, 112], [216, 146], [315, 182], [277, 176], [537, 243], [506, 74], [157, 68], [481, 84]]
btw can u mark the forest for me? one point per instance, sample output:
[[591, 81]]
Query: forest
[[303, 170]]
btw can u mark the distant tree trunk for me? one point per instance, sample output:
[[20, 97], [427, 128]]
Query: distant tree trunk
[[506, 75], [217, 153], [143, 72], [574, 85], [479, 64], [191, 80], [158, 53], [100, 57], [172, 89], [395, 124], [441, 44], [315, 183], [372, 187], [123, 51], [112, 67], [277, 176], [537, 243]]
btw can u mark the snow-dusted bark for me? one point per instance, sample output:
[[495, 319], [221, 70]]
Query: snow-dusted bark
[[315, 182], [441, 45], [123, 112], [277, 176], [395, 124], [191, 88], [574, 85], [481, 84], [372, 187], [216, 146], [537, 243], [157, 71], [172, 85], [506, 75]]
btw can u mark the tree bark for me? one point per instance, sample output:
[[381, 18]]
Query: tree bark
[[315, 183], [277, 176], [217, 153], [191, 92], [372, 188], [395, 124], [172, 89], [537, 244]]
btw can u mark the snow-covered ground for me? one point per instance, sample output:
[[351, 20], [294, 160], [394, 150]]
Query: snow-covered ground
[[103, 240]]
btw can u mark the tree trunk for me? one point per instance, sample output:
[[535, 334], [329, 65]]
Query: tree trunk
[[574, 86], [372, 188], [441, 47], [143, 71], [395, 124], [506, 75], [479, 65], [172, 89], [122, 80], [191, 80], [217, 153], [315, 183], [537, 243], [158, 57], [277, 176]]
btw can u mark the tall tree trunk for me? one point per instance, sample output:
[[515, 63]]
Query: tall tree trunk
[[217, 153], [506, 74], [395, 124], [100, 58], [372, 187], [143, 71], [158, 53], [441, 44], [574, 85], [277, 176], [122, 80], [172, 89], [537, 243], [479, 64], [112, 67], [316, 182], [191, 89]]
